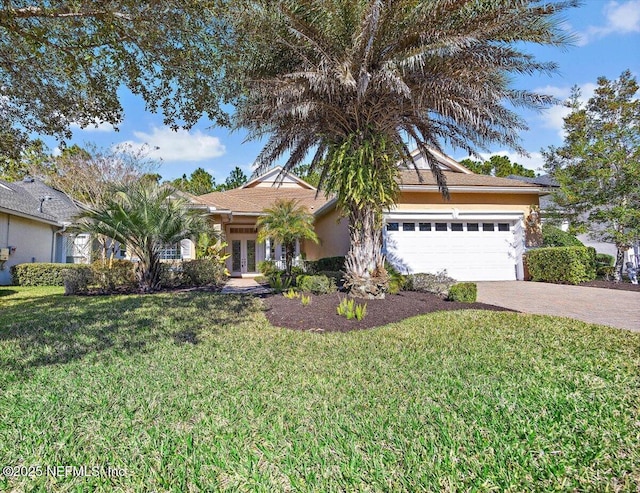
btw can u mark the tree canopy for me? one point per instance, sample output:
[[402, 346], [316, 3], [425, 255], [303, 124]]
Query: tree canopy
[[598, 166], [497, 166], [63, 63]]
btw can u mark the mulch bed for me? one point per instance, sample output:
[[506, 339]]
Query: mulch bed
[[623, 285], [320, 315]]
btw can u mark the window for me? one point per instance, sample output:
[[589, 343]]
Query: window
[[473, 227], [488, 227], [425, 226], [393, 226], [456, 226], [441, 226], [408, 226], [503, 226], [171, 252]]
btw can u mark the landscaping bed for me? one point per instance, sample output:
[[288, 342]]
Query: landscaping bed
[[601, 283], [321, 316]]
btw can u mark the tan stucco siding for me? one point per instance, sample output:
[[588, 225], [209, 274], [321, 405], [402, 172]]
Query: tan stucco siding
[[31, 239], [333, 232], [465, 201]]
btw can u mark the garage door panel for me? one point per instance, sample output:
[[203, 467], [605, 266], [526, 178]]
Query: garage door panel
[[466, 255]]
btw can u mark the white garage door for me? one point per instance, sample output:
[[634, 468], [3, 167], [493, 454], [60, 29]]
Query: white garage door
[[478, 250]]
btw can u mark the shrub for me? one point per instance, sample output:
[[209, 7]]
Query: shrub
[[170, 275], [316, 284], [76, 281], [438, 283], [605, 265], [305, 299], [397, 281], [552, 236], [336, 275], [325, 264], [109, 275], [279, 282], [267, 267], [571, 265], [203, 272], [466, 292], [291, 294], [42, 274]]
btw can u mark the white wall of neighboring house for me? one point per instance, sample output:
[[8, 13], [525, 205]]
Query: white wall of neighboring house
[[34, 241]]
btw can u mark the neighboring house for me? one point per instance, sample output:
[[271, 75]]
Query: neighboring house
[[548, 207], [33, 222], [479, 234]]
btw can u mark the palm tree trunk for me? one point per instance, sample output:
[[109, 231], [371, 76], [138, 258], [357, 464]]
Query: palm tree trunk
[[366, 276]]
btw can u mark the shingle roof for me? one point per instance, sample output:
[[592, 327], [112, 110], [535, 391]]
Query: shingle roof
[[544, 180], [257, 199], [459, 180], [25, 197]]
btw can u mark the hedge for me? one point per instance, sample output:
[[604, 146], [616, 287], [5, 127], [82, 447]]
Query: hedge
[[324, 264], [553, 236], [203, 272], [42, 274], [316, 284], [571, 265]]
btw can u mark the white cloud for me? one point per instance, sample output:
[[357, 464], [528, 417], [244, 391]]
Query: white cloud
[[535, 161], [619, 18], [97, 126], [554, 117], [180, 145]]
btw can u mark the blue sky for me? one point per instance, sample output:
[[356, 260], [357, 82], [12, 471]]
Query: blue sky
[[608, 42]]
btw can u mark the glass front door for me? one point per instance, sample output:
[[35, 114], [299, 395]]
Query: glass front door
[[236, 256], [251, 255], [243, 256]]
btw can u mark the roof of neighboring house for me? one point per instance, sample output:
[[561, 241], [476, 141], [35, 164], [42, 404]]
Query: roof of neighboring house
[[544, 180], [32, 198], [455, 179], [257, 199]]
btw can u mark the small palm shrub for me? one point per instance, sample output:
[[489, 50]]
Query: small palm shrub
[[279, 282], [466, 292]]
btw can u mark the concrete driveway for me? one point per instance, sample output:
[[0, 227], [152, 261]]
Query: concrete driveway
[[612, 307]]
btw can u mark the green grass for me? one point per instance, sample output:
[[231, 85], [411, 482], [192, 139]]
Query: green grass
[[197, 392]]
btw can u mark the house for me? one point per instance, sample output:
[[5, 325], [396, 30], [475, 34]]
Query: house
[[479, 234], [33, 222]]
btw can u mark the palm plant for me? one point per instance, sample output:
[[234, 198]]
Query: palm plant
[[286, 222], [146, 219], [355, 81]]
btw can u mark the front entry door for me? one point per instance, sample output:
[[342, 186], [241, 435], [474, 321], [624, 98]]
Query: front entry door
[[243, 256]]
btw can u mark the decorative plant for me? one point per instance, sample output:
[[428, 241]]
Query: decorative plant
[[305, 299], [291, 294], [349, 309]]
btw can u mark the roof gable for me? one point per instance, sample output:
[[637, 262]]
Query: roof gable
[[276, 178], [445, 163]]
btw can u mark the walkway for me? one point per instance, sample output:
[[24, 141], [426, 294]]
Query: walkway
[[611, 307], [244, 285]]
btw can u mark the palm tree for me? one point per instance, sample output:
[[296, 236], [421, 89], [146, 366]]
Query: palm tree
[[146, 219], [355, 81], [286, 222]]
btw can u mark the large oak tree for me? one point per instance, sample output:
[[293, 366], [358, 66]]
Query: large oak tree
[[64, 63]]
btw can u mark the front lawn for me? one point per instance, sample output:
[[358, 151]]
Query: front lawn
[[196, 391]]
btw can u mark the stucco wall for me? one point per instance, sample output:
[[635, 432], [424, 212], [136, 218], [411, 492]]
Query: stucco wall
[[466, 201], [32, 240], [333, 232]]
